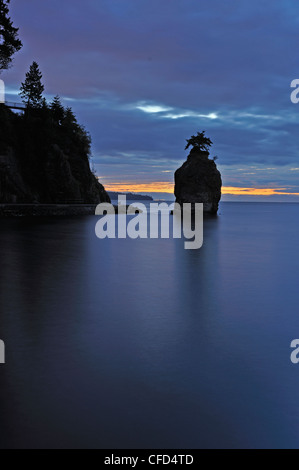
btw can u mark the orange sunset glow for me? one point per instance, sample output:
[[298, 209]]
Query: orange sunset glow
[[166, 187]]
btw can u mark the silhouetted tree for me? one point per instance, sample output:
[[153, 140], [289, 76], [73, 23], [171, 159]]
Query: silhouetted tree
[[9, 41], [32, 89], [58, 111], [199, 141], [69, 119]]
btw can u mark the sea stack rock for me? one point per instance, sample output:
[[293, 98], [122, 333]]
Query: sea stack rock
[[199, 180]]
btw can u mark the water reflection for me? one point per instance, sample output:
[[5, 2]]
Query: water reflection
[[140, 343]]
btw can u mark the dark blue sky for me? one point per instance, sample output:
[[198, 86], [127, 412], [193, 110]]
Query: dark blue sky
[[143, 75]]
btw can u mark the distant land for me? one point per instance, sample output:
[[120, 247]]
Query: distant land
[[129, 196]]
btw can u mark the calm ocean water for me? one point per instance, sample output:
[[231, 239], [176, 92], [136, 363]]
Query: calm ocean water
[[142, 344]]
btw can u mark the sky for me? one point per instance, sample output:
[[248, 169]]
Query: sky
[[144, 75]]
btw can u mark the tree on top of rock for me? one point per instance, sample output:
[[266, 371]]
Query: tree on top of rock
[[32, 89], [199, 142], [9, 40]]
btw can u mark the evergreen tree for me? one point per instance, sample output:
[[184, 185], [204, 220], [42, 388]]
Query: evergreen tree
[[32, 89], [9, 41], [58, 112], [199, 141], [70, 120]]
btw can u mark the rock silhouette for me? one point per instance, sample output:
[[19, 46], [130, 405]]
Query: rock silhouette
[[199, 181], [45, 163]]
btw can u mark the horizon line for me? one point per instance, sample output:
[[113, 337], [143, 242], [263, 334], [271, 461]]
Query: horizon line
[[166, 187]]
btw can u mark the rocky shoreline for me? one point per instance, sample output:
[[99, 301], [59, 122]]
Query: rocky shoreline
[[48, 210]]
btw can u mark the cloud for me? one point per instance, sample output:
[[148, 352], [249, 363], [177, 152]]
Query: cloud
[[144, 76], [163, 111], [190, 114], [167, 187], [152, 109], [257, 191]]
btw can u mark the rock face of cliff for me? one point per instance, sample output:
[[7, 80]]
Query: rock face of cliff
[[199, 181], [45, 163], [56, 183]]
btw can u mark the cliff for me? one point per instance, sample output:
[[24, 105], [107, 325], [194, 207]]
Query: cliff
[[45, 160], [198, 180]]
